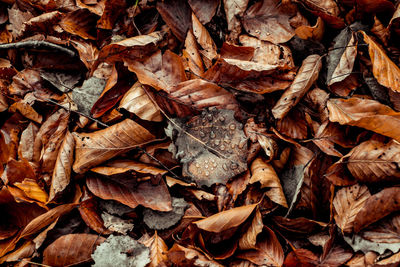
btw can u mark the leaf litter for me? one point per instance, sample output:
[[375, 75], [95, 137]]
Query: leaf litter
[[199, 133]]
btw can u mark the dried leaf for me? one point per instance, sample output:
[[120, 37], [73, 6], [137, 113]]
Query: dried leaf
[[79, 22], [138, 102], [315, 32], [187, 257], [226, 219], [365, 113], [385, 71], [265, 174], [32, 190], [204, 9], [177, 15], [306, 76], [208, 49], [155, 197], [234, 10], [382, 204], [158, 251], [94, 148], [269, 251], [62, 169], [348, 202], [71, 249], [249, 238], [269, 22]]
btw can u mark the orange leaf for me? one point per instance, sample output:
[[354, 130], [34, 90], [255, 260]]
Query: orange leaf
[[158, 251], [32, 190], [226, 219]]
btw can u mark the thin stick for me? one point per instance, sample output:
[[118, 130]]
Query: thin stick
[[35, 44]]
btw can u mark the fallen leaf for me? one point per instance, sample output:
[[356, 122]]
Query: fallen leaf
[[79, 22], [249, 239], [94, 148], [265, 174], [32, 190], [187, 257], [62, 253], [315, 32], [177, 15], [208, 49], [365, 113], [234, 10], [151, 196], [269, 251], [385, 71], [62, 169], [306, 76], [268, 21], [382, 203], [348, 202], [226, 219], [204, 9], [138, 102], [158, 251]]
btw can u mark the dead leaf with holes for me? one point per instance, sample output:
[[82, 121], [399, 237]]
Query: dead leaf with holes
[[211, 146]]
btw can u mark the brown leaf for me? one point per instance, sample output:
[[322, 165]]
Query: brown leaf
[[367, 114], [249, 239], [25, 148], [265, 174], [226, 219], [293, 125], [138, 102], [188, 257], [131, 48], [201, 94], [94, 148], [62, 169], [45, 219], [348, 202], [299, 226], [208, 49], [158, 251], [79, 22], [204, 9], [234, 10], [374, 161], [155, 197], [377, 206], [306, 76], [17, 171], [71, 249], [159, 71], [269, 251], [177, 14], [125, 165], [375, 6], [328, 10], [315, 32], [269, 22], [385, 71], [192, 55]]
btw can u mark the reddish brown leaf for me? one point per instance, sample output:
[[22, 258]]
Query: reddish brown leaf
[[155, 197], [269, 251], [187, 257], [79, 22], [249, 239], [71, 249], [269, 22], [382, 204], [94, 148], [177, 14], [32, 190]]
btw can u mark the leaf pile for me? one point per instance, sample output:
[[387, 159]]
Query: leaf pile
[[200, 133]]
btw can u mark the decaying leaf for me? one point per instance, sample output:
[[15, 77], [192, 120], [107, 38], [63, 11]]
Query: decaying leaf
[[213, 147], [158, 251]]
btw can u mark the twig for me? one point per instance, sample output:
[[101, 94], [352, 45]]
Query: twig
[[35, 44]]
